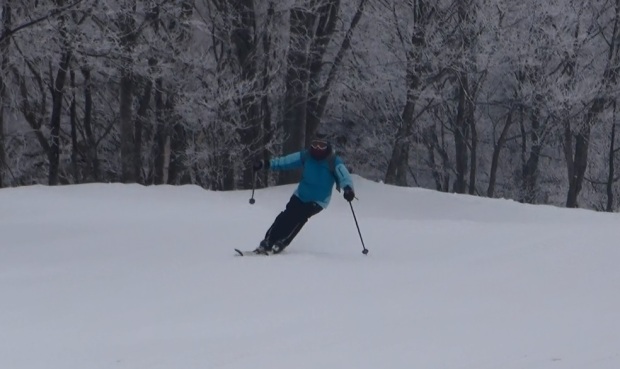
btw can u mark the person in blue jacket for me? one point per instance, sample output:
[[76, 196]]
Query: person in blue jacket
[[321, 170]]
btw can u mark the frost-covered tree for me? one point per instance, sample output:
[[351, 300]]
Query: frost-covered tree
[[5, 26], [600, 26], [503, 98], [413, 36], [311, 73]]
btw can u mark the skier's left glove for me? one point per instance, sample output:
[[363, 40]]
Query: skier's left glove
[[259, 164], [349, 194]]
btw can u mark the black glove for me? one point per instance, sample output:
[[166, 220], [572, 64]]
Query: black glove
[[349, 195], [259, 164]]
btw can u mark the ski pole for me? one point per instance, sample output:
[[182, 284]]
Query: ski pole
[[252, 201], [365, 250]]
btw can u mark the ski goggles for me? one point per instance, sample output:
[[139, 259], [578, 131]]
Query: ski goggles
[[319, 145]]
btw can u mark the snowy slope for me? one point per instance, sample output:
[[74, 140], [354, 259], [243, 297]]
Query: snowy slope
[[124, 276]]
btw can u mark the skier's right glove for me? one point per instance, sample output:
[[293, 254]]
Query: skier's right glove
[[349, 194], [259, 164]]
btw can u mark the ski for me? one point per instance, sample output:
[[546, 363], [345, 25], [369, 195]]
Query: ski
[[249, 253]]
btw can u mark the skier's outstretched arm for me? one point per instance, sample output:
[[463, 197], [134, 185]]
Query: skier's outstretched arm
[[291, 161]]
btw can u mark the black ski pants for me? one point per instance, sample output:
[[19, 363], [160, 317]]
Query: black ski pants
[[290, 221]]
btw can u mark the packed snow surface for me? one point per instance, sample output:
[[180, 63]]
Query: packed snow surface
[[105, 276]]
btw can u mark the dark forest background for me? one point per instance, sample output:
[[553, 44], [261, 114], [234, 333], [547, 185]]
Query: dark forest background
[[490, 98]]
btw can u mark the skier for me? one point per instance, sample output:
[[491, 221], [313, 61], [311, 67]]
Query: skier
[[322, 168]]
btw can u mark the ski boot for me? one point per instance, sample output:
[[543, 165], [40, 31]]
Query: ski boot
[[278, 247], [264, 248]]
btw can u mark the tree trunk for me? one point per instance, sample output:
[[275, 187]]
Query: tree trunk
[[530, 176], [473, 161], [57, 97], [530, 167], [245, 46], [3, 163], [177, 171], [74, 138], [318, 101], [141, 119], [465, 133], [5, 26], [567, 146], [609, 185], [460, 138], [295, 100], [33, 117], [91, 153], [265, 106], [161, 136], [582, 140], [128, 153], [496, 152], [399, 161], [579, 162], [582, 143], [327, 16], [440, 174], [127, 34], [613, 79]]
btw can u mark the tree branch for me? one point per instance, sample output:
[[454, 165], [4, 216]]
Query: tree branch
[[57, 11]]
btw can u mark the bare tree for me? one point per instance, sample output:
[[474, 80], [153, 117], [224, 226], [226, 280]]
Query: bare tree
[[611, 166], [57, 92], [465, 137], [297, 77], [577, 158], [319, 94], [453, 95], [327, 16], [171, 137], [312, 29], [497, 148], [5, 26], [246, 47], [127, 33], [92, 158], [415, 43]]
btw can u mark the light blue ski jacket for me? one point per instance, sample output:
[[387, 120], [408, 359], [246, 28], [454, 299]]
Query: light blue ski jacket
[[317, 180]]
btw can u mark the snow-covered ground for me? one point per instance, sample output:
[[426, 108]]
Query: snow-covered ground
[[124, 276]]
